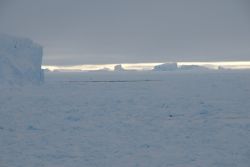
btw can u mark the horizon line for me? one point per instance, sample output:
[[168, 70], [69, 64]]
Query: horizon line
[[149, 66]]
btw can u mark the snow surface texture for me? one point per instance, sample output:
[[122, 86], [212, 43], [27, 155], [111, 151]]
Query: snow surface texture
[[20, 61], [167, 119]]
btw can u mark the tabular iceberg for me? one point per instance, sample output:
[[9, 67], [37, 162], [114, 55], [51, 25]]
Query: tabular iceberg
[[166, 67], [20, 61]]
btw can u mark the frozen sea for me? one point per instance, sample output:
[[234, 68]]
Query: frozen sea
[[128, 119]]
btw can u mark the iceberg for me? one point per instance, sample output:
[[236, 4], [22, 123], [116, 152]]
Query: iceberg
[[193, 67], [119, 68], [20, 61], [166, 67]]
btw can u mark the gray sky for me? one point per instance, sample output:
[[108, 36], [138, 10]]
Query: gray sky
[[131, 31]]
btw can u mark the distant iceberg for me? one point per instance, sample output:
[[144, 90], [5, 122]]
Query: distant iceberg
[[166, 67], [193, 67], [20, 61], [119, 68]]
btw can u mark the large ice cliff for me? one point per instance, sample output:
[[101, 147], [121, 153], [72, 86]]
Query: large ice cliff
[[20, 61]]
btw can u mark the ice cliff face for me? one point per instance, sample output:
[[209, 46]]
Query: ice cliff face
[[20, 61]]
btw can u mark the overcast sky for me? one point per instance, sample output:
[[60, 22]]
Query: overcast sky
[[131, 31]]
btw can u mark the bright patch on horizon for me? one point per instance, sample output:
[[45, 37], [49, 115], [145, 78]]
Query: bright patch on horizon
[[148, 66]]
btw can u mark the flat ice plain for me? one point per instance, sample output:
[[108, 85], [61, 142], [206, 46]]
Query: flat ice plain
[[125, 119]]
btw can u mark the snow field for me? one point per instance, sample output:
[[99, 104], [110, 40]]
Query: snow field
[[127, 120]]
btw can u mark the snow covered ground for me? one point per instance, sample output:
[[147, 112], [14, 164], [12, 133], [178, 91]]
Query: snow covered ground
[[125, 119]]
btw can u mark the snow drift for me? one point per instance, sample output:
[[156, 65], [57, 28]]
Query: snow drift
[[20, 61]]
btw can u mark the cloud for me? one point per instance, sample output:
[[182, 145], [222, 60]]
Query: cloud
[[118, 31]]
